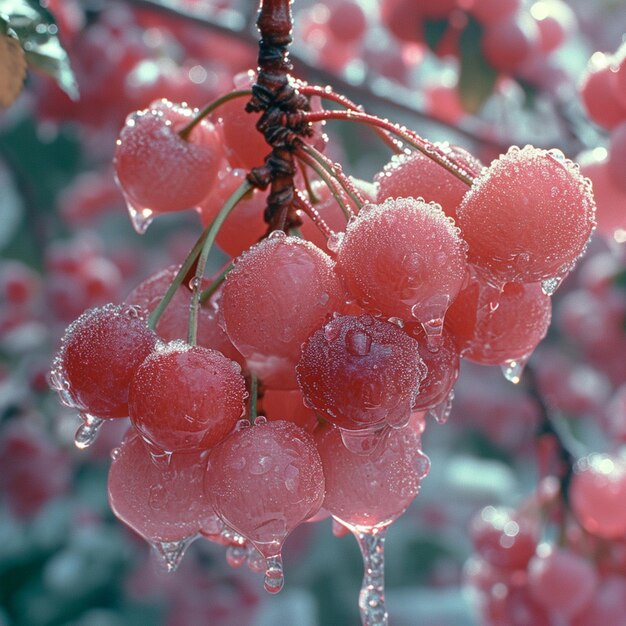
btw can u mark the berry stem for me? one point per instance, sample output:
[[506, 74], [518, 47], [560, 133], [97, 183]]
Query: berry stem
[[330, 182], [410, 138], [209, 108], [254, 394], [207, 244], [215, 285], [326, 93], [336, 172], [307, 207], [153, 318]]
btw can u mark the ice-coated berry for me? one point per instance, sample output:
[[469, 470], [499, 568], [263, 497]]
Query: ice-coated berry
[[360, 372], [528, 217], [99, 355], [265, 480], [186, 398], [403, 258]]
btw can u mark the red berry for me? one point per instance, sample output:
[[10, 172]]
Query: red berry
[[186, 398]]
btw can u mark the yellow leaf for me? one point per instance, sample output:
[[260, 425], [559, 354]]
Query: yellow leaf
[[12, 69]]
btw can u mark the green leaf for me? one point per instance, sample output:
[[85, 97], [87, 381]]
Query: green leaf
[[476, 78], [37, 33]]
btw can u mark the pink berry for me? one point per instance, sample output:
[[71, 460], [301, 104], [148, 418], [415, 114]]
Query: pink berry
[[99, 355], [158, 170], [422, 245], [161, 500], [597, 495], [561, 580], [264, 481], [186, 398], [528, 217], [279, 292], [360, 372], [371, 491], [417, 176]]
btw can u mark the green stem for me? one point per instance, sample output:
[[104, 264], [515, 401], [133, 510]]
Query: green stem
[[330, 167], [207, 244], [215, 285], [253, 398], [154, 317], [328, 180], [209, 108]]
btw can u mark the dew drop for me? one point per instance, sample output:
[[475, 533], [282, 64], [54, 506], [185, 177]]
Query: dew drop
[[422, 465], [441, 412], [358, 343], [277, 234], [236, 556], [256, 562], [513, 369], [87, 431], [550, 285], [274, 577], [363, 441], [140, 217], [170, 553], [334, 241], [115, 453]]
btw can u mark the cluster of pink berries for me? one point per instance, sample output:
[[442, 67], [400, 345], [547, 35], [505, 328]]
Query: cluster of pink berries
[[520, 575], [340, 352], [603, 92]]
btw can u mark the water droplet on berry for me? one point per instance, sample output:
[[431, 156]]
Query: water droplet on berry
[[513, 369], [115, 453], [256, 561], [550, 285], [422, 465], [441, 412], [195, 283], [140, 217], [274, 577], [358, 343], [170, 553], [277, 234], [363, 441], [236, 556], [334, 241], [87, 431]]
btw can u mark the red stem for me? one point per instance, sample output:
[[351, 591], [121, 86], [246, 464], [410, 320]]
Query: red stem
[[413, 139]]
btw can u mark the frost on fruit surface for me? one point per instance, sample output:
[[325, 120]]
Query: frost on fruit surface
[[156, 169], [370, 491], [162, 501], [99, 353], [278, 292], [528, 217], [415, 175], [403, 258], [264, 480], [359, 372], [186, 398], [493, 336]]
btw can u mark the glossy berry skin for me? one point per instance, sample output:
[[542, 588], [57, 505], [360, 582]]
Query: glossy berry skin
[[99, 355], [360, 372], [371, 491], [186, 398], [442, 366], [160, 500], [265, 480], [597, 495], [158, 170], [504, 538], [419, 242], [528, 217], [561, 580], [417, 176], [278, 293], [511, 331]]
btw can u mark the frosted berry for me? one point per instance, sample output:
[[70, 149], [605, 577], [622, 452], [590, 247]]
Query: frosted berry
[[360, 372], [186, 398]]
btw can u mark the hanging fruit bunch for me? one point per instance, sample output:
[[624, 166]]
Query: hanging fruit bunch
[[294, 383]]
